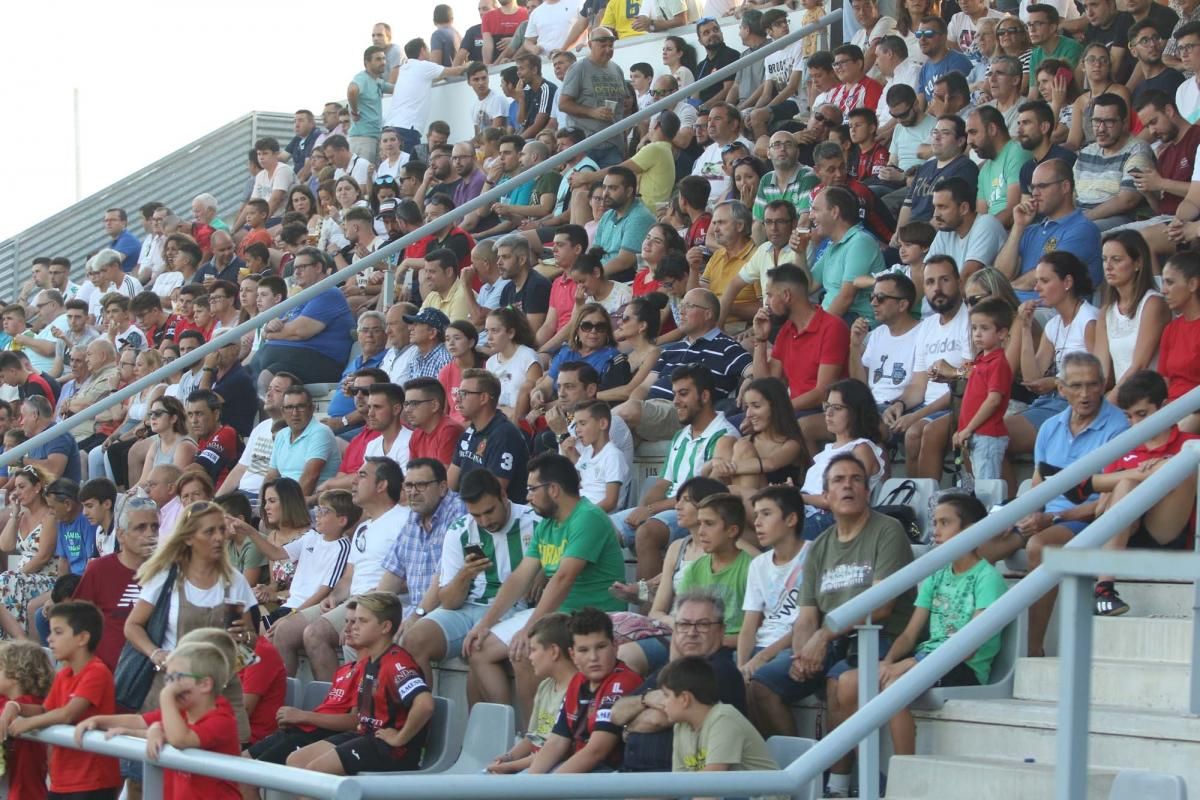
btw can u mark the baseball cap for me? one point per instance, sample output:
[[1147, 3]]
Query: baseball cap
[[387, 208], [429, 316]]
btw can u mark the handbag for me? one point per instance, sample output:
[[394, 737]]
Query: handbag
[[135, 671], [897, 506]]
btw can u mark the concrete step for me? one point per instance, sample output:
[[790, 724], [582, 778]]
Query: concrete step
[[1019, 729], [1151, 599], [973, 778], [1143, 638], [1115, 682]]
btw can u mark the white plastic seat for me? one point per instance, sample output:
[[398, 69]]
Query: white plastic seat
[[490, 729], [292, 694], [991, 492], [314, 694], [785, 750], [1145, 785]]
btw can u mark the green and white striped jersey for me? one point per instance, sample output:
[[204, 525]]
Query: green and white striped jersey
[[504, 550]]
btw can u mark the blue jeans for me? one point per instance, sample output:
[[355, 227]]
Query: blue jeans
[[987, 456], [606, 155], [629, 534]]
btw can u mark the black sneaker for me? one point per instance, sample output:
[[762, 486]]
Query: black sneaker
[[1109, 603]]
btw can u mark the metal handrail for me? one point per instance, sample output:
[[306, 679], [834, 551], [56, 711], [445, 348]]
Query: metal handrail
[[395, 248], [1009, 515], [876, 712]]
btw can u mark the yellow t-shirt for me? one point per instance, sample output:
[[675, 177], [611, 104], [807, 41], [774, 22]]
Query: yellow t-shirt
[[619, 16], [657, 162]]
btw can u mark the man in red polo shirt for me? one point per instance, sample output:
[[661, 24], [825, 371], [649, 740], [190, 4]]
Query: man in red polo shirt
[[434, 434], [13, 372], [811, 350]]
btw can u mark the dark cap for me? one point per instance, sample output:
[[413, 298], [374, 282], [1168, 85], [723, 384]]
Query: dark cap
[[429, 316], [387, 208]]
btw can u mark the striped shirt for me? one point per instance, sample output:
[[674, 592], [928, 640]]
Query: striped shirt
[[1100, 176], [689, 451], [716, 350], [769, 190], [504, 550], [417, 554]]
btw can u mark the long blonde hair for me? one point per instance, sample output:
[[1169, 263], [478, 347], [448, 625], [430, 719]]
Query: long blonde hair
[[177, 547]]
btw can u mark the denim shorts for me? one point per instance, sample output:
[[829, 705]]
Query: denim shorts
[[657, 650], [456, 623], [987, 456], [838, 661], [1043, 408], [629, 535], [816, 523]]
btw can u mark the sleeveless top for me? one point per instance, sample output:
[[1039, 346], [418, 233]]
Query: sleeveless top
[[815, 474], [138, 406], [1069, 338], [1122, 335], [681, 564], [27, 548], [162, 456]]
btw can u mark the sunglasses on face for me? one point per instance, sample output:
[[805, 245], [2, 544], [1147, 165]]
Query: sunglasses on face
[[588, 327], [925, 34]]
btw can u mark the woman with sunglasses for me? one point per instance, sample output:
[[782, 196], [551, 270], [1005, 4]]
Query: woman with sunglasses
[[636, 337], [1012, 39], [1097, 68], [679, 57], [1056, 85], [772, 450], [31, 533], [1064, 285], [589, 339], [207, 593], [169, 444], [514, 361], [1133, 313], [113, 457]]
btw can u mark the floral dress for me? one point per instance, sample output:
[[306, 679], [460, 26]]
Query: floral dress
[[17, 588]]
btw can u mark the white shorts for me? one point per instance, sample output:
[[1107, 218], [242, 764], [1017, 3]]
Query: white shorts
[[506, 629]]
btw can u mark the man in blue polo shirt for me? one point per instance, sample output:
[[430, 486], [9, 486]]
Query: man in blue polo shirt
[[60, 455], [76, 535], [122, 241], [312, 341], [1065, 438], [1061, 227], [305, 451]]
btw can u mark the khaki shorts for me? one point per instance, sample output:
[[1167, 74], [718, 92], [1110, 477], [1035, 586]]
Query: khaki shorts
[[336, 616], [659, 421]]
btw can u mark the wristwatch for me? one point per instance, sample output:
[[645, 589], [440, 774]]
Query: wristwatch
[[420, 612], [346, 422]]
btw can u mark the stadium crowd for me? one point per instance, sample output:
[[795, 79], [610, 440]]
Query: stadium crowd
[[961, 241]]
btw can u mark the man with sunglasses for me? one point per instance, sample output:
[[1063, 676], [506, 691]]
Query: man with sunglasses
[[1146, 43], [940, 59], [356, 448], [910, 142], [883, 358]]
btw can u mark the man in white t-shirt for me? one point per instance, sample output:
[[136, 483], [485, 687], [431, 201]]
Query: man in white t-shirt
[[883, 358], [385, 413], [273, 181], [548, 26], [345, 162], [724, 126], [964, 26], [873, 28], [412, 95], [922, 412], [490, 108], [891, 58], [315, 630], [251, 470]]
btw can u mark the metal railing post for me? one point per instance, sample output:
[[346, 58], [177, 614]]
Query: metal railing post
[[868, 687], [152, 780], [1194, 672], [1074, 686]]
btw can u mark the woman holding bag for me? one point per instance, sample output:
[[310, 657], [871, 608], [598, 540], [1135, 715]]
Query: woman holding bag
[[187, 584]]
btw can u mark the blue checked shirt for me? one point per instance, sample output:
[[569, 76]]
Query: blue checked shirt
[[417, 554]]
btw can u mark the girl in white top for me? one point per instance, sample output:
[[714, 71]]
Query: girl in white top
[[347, 193], [1128, 332], [852, 417], [1062, 284], [588, 274], [170, 278], [679, 57], [515, 361], [391, 157]]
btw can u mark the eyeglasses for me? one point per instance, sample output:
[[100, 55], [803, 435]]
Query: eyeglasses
[[1097, 60], [323, 510], [1038, 187], [533, 487], [732, 147], [1097, 122], [360, 390], [171, 677], [691, 306], [296, 409], [659, 93], [1153, 38], [974, 299], [385, 180], [881, 298], [833, 408], [460, 392], [1037, 23], [1184, 49], [419, 402], [699, 626], [418, 486], [589, 327], [830, 123]]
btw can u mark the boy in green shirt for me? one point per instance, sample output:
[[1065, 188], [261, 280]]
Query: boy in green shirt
[[946, 601], [709, 736], [724, 567]]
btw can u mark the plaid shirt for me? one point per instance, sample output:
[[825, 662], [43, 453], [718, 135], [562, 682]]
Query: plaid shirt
[[417, 554], [426, 366]]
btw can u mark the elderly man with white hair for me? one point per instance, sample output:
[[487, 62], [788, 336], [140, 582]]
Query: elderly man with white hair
[[105, 274]]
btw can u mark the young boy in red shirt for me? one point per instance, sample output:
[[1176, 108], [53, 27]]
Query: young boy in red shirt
[[25, 679], [585, 739], [334, 715], [989, 387], [82, 689], [395, 703], [191, 713]]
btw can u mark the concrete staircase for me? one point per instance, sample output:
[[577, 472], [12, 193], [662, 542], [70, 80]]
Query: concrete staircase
[[985, 749]]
